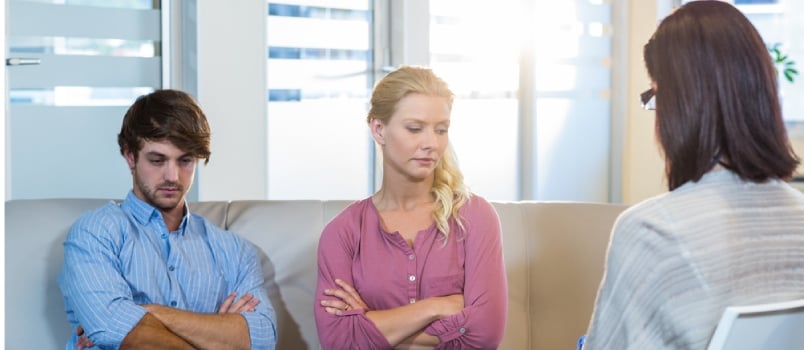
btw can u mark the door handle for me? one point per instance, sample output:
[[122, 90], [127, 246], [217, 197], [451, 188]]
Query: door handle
[[21, 61]]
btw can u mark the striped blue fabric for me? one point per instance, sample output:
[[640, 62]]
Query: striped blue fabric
[[121, 256]]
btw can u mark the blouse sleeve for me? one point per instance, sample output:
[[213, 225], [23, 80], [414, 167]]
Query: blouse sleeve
[[481, 324], [353, 330]]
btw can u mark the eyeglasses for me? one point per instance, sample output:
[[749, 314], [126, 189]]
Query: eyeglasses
[[648, 99]]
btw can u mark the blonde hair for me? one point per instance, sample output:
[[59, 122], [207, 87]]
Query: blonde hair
[[449, 190]]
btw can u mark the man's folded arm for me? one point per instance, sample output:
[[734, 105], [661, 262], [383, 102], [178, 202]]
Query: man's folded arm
[[150, 333], [94, 290], [204, 331]]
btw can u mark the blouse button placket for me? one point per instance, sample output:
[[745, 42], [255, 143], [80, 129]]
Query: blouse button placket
[[412, 286]]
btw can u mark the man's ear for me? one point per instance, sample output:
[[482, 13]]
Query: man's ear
[[130, 159], [377, 131]]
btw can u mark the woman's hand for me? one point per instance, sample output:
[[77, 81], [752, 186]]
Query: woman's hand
[[449, 305], [348, 299]]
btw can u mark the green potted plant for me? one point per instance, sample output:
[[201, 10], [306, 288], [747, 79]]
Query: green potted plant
[[784, 65]]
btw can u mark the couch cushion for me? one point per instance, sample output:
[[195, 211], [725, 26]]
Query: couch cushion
[[286, 233], [554, 255], [515, 250], [567, 248], [34, 307]]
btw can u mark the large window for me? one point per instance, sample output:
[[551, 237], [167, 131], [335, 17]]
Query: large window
[[531, 121], [533, 114], [320, 72], [483, 70]]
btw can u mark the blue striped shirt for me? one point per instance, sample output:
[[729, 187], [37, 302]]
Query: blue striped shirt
[[119, 257]]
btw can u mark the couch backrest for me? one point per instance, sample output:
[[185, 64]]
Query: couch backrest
[[554, 256], [35, 230], [287, 233], [568, 245]]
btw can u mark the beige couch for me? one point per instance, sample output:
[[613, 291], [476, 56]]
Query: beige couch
[[554, 255]]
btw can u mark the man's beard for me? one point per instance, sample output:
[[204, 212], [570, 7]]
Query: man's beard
[[152, 198]]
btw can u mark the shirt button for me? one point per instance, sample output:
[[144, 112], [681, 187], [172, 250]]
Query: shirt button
[[411, 257], [412, 278], [412, 300], [164, 236], [171, 268], [462, 330], [173, 303]]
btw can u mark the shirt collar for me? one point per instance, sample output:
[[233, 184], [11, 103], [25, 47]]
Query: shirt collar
[[144, 213]]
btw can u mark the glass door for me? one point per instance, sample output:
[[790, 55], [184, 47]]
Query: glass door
[[73, 68]]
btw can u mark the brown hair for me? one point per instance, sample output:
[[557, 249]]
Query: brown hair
[[716, 96], [449, 190], [170, 115]]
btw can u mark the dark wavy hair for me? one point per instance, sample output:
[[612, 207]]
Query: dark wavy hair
[[170, 115], [716, 96]]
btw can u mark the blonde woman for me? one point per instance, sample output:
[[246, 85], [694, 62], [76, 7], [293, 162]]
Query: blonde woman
[[419, 264]]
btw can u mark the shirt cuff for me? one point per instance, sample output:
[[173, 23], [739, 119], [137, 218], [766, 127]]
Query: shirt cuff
[[125, 319], [448, 329], [261, 330]]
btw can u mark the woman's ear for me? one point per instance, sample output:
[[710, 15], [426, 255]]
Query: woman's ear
[[377, 130]]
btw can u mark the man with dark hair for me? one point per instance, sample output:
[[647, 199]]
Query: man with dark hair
[[147, 273]]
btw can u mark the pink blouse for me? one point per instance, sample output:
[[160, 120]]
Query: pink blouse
[[388, 273]]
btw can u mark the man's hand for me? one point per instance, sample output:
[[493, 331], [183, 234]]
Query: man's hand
[[83, 341], [151, 334], [246, 303], [224, 330]]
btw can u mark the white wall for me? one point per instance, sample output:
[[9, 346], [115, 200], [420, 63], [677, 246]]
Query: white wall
[[231, 88], [643, 169]]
